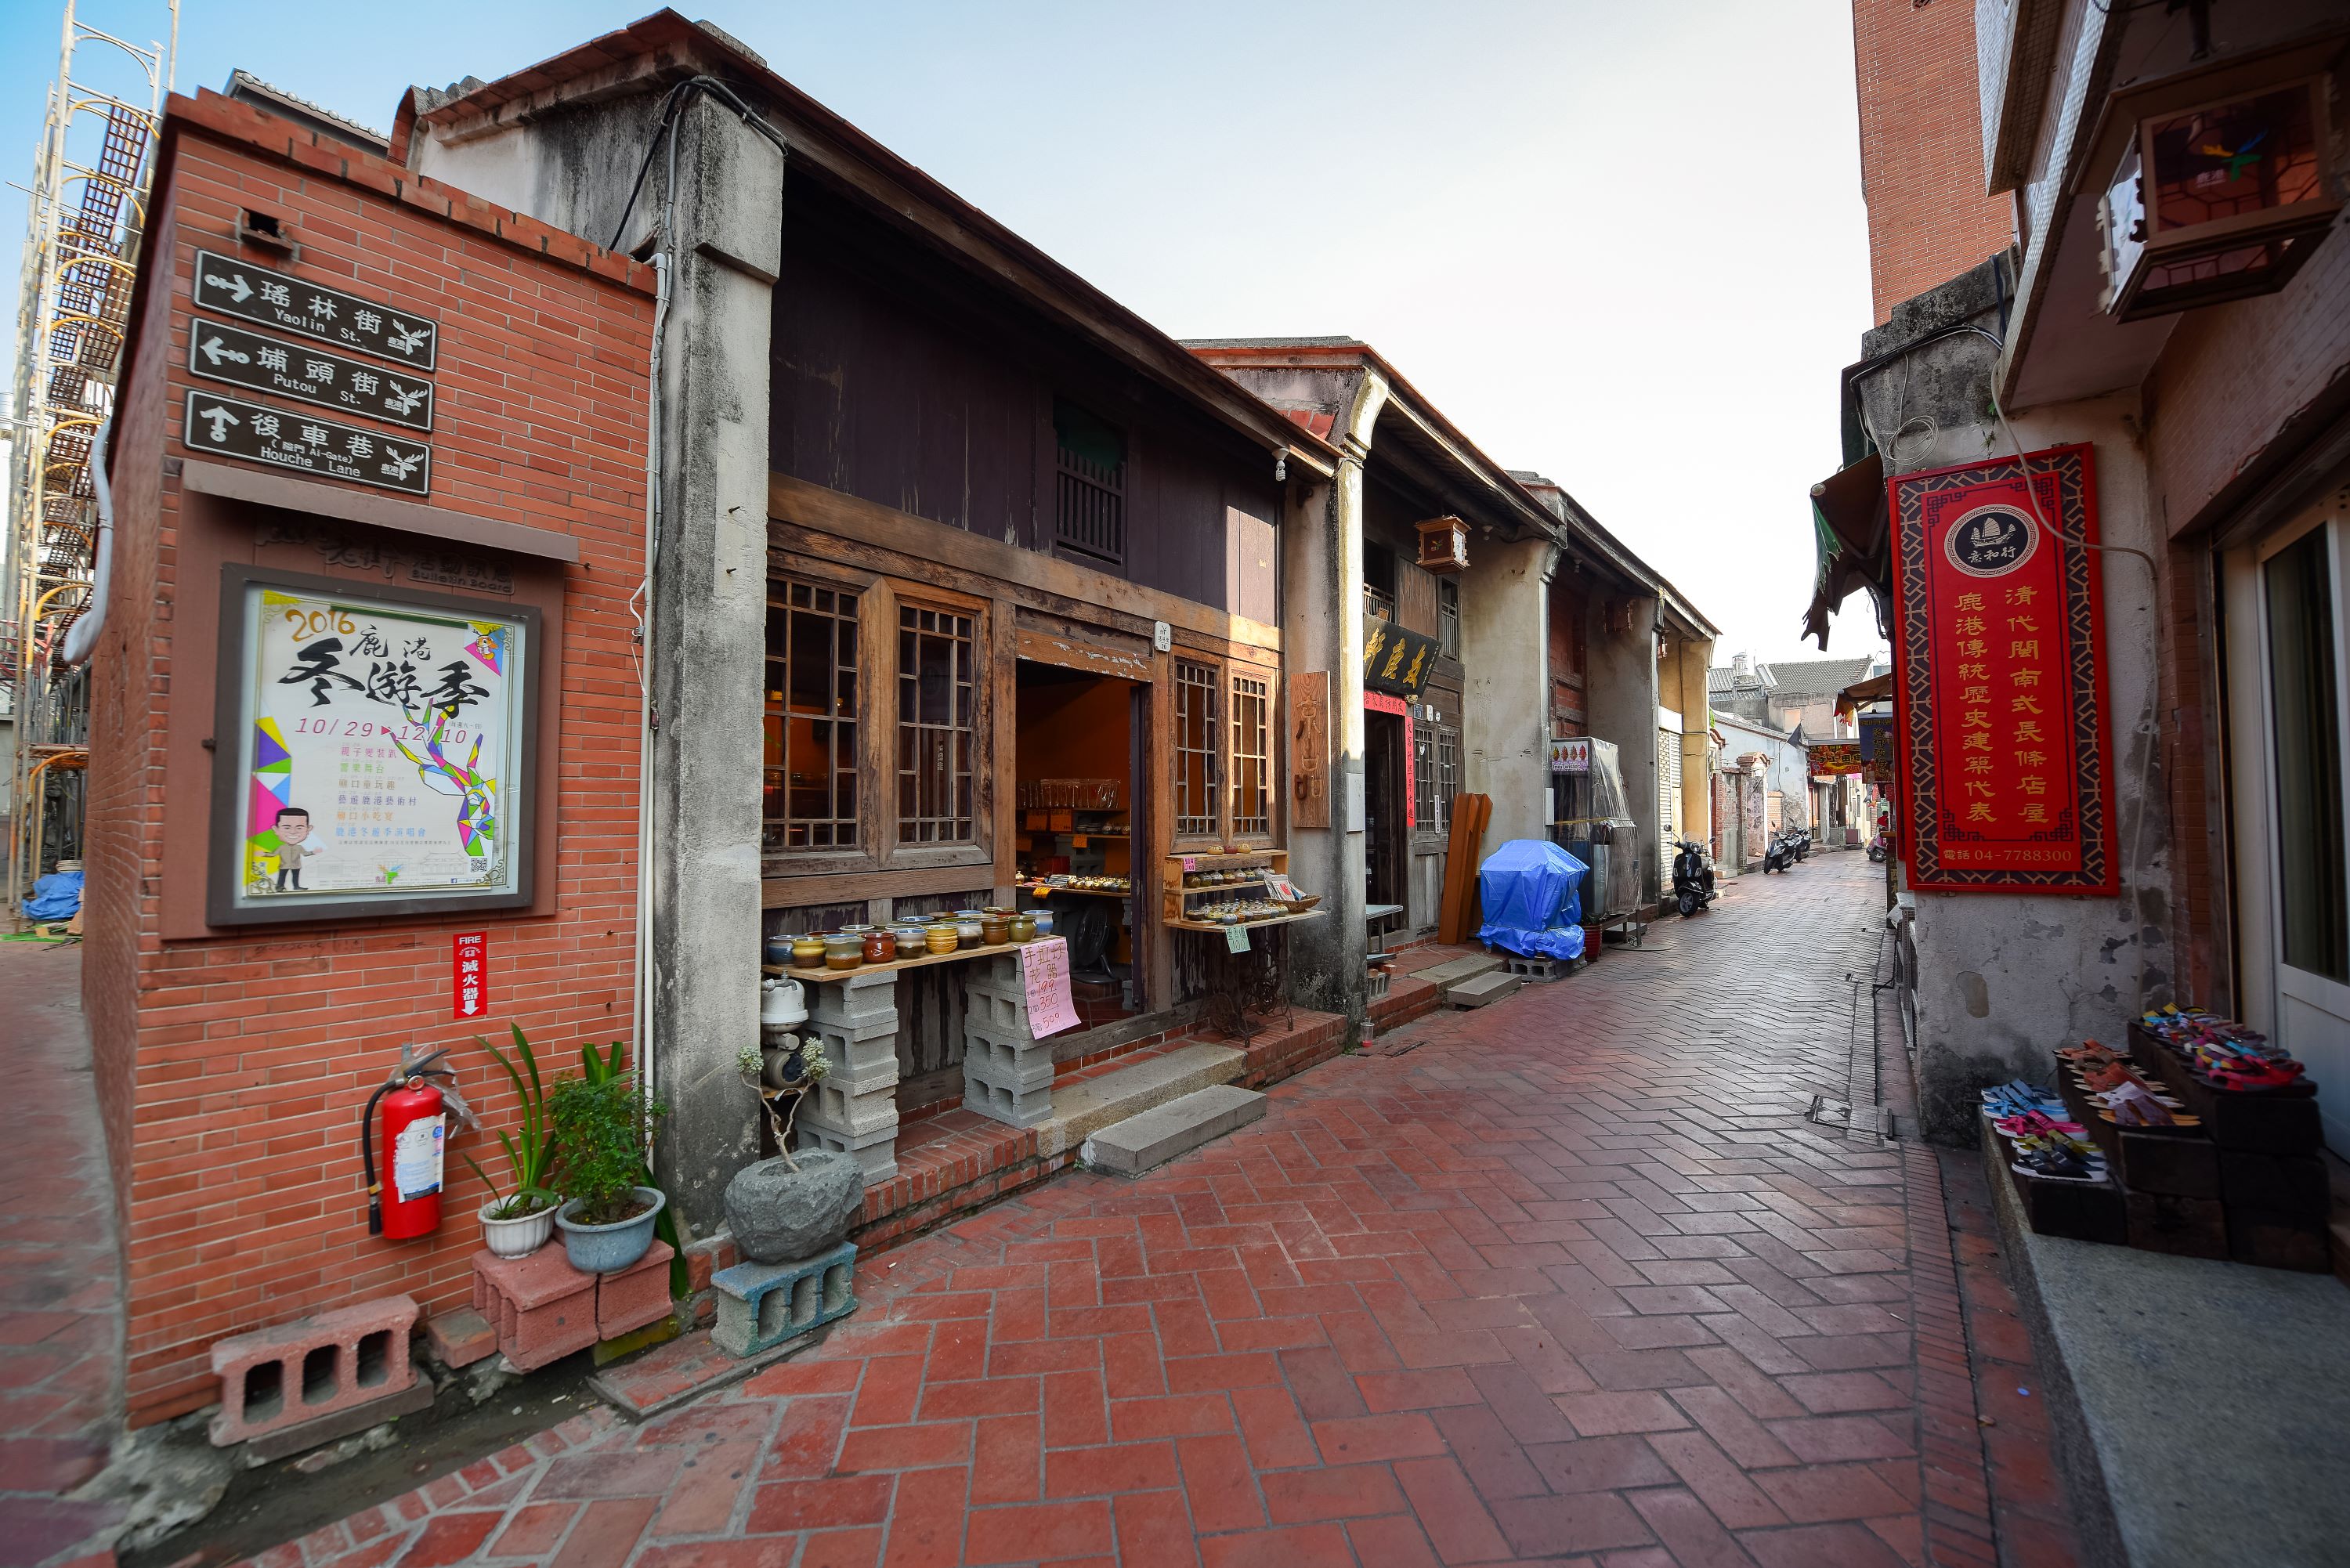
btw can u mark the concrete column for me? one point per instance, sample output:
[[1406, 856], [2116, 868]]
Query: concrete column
[[1693, 656], [710, 627], [1621, 696], [1505, 647], [1322, 629]]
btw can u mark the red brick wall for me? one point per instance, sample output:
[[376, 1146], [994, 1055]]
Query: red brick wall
[[1921, 162], [233, 1068], [2232, 375]]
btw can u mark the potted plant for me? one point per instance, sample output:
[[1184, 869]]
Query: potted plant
[[602, 1125], [795, 1205], [517, 1223]]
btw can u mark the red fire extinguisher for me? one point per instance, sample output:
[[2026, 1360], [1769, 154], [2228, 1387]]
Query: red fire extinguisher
[[415, 1131]]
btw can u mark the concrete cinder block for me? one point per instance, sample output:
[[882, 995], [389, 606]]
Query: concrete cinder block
[[762, 1305], [1016, 1064], [634, 1297], [287, 1442], [459, 1336], [1176, 1127], [275, 1377], [875, 1151], [1483, 990], [1002, 1102], [542, 1308]]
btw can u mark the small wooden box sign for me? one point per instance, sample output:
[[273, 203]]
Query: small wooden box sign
[[1443, 544]]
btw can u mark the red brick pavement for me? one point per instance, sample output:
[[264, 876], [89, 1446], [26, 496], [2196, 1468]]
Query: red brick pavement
[[1570, 1281], [60, 1284]]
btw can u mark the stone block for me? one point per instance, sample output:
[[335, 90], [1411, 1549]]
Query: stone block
[[635, 1296], [862, 1067], [285, 1442], [1482, 989], [459, 1336], [275, 1377], [542, 1308], [2182, 1227], [2272, 1240], [762, 1305], [830, 1105], [1176, 1127], [999, 1102], [1018, 1064], [1004, 1016], [2158, 1162], [2292, 1186], [875, 1152]]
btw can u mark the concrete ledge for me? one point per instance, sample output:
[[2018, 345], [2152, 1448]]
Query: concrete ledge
[[2197, 1406], [1088, 1104], [1483, 988], [1176, 1127]]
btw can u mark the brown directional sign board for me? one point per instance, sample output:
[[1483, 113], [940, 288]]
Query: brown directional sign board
[[284, 438], [227, 287], [311, 374]]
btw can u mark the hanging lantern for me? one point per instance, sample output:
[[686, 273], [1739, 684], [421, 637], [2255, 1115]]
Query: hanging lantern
[[1443, 545]]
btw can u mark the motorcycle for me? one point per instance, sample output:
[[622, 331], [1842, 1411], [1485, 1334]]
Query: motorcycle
[[1781, 854], [1802, 838], [1881, 848], [1692, 879]]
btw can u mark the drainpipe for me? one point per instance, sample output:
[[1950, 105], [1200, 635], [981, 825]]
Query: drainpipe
[[82, 637], [647, 719]]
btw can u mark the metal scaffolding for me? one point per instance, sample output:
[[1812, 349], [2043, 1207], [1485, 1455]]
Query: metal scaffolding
[[82, 233]]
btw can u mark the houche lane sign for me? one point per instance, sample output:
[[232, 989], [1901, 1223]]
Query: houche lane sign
[[282, 438], [310, 375], [312, 310]]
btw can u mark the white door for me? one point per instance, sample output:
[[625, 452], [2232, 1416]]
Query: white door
[[2305, 712]]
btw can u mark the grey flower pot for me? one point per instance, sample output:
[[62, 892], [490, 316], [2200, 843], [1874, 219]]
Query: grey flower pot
[[778, 1215], [608, 1249]]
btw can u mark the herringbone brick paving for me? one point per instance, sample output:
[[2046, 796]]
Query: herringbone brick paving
[[1570, 1281]]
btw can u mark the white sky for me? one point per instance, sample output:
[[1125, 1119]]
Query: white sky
[[1620, 244]]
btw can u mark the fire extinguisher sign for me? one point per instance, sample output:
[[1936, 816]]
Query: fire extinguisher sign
[[469, 974]]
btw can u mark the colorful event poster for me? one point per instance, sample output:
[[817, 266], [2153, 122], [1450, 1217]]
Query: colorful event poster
[[2000, 688], [381, 737], [1044, 970]]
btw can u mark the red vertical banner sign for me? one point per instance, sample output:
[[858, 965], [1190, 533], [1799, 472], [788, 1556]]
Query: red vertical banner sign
[[2000, 685], [469, 974]]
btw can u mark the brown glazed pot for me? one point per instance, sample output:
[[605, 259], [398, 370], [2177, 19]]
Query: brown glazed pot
[[880, 947], [994, 929]]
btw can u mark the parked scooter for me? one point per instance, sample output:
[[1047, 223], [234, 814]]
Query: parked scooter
[[1781, 854], [1879, 848], [1802, 838], [1692, 879]]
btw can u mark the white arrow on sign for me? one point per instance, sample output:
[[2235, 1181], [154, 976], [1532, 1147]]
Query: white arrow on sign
[[238, 289], [212, 348]]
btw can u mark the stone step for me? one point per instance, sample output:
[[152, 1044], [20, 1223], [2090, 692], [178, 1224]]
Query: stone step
[[1455, 971], [1087, 1105], [1483, 988], [1178, 1127]]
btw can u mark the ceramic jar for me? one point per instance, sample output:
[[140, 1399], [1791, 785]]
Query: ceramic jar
[[911, 938], [777, 951], [843, 950], [942, 939], [807, 952], [1023, 928], [994, 929], [880, 947], [1043, 922], [970, 930]]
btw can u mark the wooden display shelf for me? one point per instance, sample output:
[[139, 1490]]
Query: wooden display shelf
[[1084, 892], [1173, 895], [822, 975], [1246, 925]]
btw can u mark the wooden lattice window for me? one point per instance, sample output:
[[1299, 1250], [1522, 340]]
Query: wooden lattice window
[[1447, 617], [1448, 775], [937, 724], [1195, 750], [810, 799], [1251, 757], [1089, 503], [1435, 776]]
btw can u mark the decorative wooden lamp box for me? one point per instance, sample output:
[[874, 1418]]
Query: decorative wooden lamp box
[[2221, 191], [1443, 545]]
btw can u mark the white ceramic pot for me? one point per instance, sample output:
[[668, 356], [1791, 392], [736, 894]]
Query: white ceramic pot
[[516, 1238]]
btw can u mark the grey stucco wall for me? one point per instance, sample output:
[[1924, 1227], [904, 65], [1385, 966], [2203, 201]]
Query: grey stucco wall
[[1620, 690], [2003, 978], [1504, 646]]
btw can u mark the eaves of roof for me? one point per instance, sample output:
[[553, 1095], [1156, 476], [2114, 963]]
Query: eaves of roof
[[665, 47]]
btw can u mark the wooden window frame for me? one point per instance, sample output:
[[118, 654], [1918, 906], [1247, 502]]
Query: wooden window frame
[[779, 589], [1264, 696], [1219, 744], [878, 852]]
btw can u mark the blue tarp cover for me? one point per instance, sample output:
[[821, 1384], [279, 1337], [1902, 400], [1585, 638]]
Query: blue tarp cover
[[56, 897], [1529, 888]]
